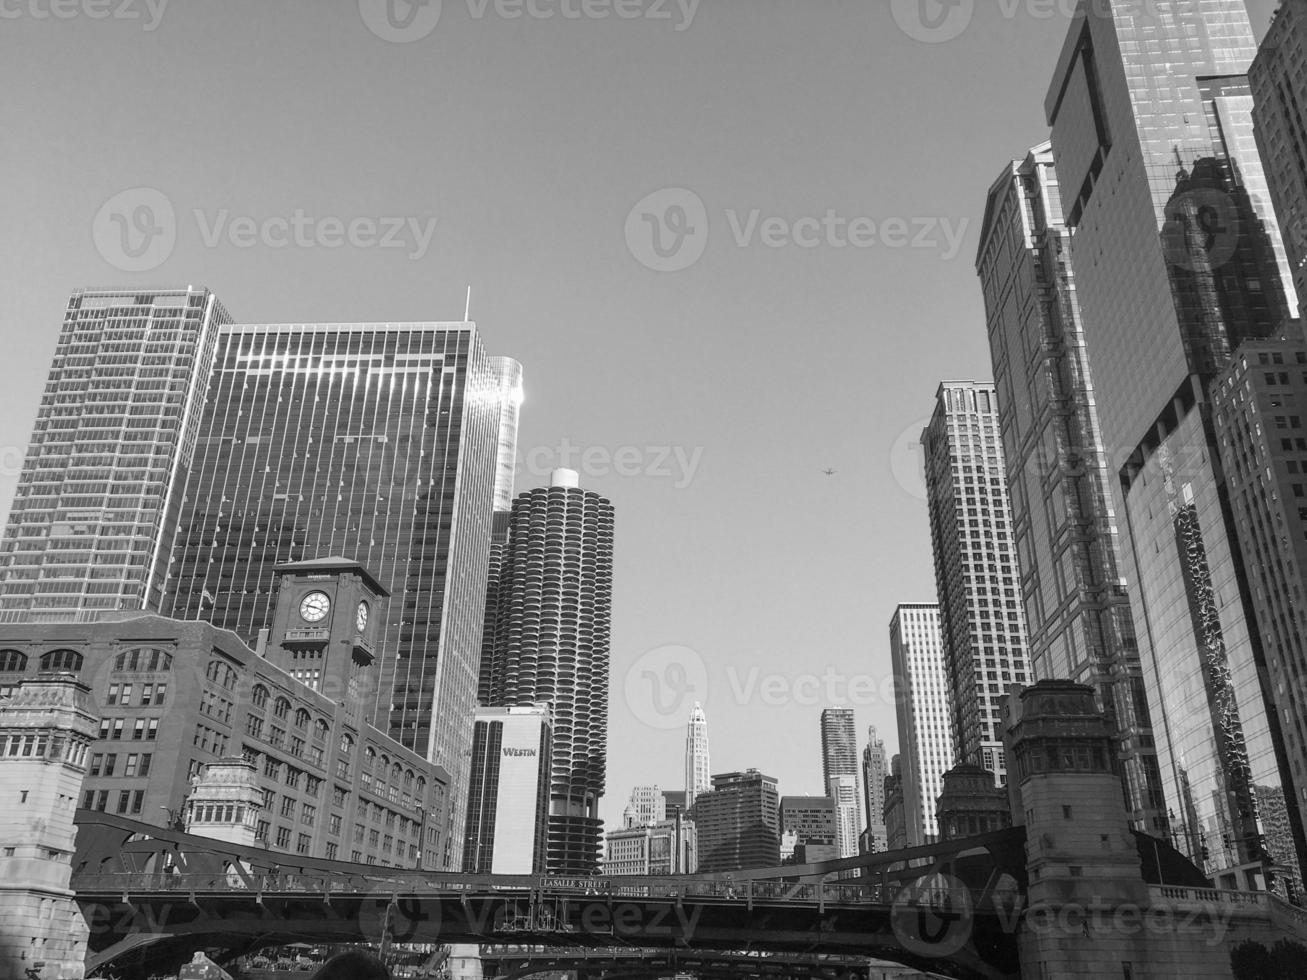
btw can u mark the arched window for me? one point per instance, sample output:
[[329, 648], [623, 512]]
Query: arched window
[[282, 708], [396, 774], [221, 674], [347, 742], [301, 719], [69, 660], [11, 660], [321, 730], [422, 787], [260, 696], [385, 767], [408, 780]]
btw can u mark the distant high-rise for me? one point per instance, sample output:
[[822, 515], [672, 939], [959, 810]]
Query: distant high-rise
[[976, 573], [811, 821], [1278, 78], [839, 743], [875, 767], [647, 806], [922, 705], [1177, 261], [1080, 626], [738, 823], [106, 470], [698, 777], [552, 635]]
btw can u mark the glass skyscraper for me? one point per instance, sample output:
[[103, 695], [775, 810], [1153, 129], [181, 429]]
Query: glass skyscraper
[[101, 486], [378, 442], [1077, 609], [976, 575], [1177, 260]]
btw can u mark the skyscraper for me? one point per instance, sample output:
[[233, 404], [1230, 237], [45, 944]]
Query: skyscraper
[[1177, 261], [839, 766], [738, 823], [976, 573], [647, 806], [811, 821], [698, 778], [875, 767], [1064, 526], [105, 474], [374, 441], [1278, 78], [552, 635], [508, 792], [921, 704]]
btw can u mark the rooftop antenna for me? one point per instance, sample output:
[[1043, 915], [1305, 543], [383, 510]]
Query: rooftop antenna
[[467, 309]]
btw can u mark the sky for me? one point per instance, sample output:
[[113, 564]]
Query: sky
[[732, 243]]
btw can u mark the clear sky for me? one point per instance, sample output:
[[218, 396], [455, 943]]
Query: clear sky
[[815, 173]]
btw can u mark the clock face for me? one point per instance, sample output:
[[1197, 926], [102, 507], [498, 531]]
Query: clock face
[[314, 607], [361, 617]]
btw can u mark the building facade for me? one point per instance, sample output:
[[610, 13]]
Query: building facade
[[552, 637], [508, 792], [698, 775], [982, 621], [738, 823], [896, 815], [970, 804], [1278, 79], [810, 822], [174, 697], [921, 704], [646, 806], [1259, 403], [875, 767], [105, 474], [1176, 263], [1078, 616]]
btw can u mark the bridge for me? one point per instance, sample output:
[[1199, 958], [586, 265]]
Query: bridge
[[152, 895]]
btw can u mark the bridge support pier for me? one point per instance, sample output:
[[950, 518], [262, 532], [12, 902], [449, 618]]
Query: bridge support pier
[[45, 730]]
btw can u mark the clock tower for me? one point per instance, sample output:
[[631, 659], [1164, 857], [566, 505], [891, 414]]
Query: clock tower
[[325, 626]]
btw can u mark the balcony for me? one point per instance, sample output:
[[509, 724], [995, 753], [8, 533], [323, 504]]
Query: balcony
[[307, 637]]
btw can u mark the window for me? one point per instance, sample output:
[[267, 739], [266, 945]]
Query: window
[[282, 708], [287, 806], [12, 660], [308, 814], [221, 674], [283, 837], [69, 660], [260, 696], [347, 743], [133, 764], [301, 719]]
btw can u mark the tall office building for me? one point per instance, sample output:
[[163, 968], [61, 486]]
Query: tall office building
[[508, 792], [875, 767], [921, 703], [1259, 405], [698, 778], [646, 806], [976, 573], [1077, 609], [810, 821], [1177, 261], [1278, 78], [552, 635], [104, 477], [839, 744], [738, 823], [374, 441]]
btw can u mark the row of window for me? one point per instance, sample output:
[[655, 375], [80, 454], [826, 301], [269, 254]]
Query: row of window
[[15, 660], [142, 728], [151, 695], [106, 764]]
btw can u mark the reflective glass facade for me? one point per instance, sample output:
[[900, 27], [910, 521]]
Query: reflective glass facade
[[101, 485], [1177, 260], [377, 442], [976, 575], [1077, 608]]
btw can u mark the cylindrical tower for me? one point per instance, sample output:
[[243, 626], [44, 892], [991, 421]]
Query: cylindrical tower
[[552, 634]]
